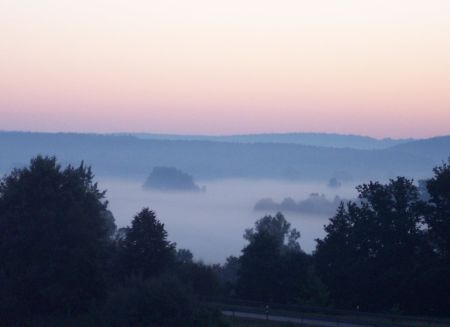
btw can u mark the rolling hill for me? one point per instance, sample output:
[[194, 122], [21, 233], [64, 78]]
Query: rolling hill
[[130, 156]]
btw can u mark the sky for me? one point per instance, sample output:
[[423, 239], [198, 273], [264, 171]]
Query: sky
[[378, 68]]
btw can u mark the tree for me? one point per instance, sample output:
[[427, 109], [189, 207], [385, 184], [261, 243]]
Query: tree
[[144, 248], [199, 277], [436, 281], [54, 235], [227, 274], [170, 179], [438, 219], [278, 228], [375, 248], [184, 256], [335, 255], [272, 266], [260, 268]]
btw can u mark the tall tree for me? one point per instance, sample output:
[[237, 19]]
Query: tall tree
[[374, 249], [278, 228], [435, 279], [438, 219], [54, 234], [144, 247], [272, 266]]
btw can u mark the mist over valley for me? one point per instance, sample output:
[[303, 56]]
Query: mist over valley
[[211, 224], [225, 163]]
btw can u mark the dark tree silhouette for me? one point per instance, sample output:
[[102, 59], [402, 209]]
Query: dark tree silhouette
[[435, 279], [199, 277], [273, 267], [227, 275], [375, 251], [54, 235], [438, 218], [161, 301], [144, 248], [184, 256], [278, 228]]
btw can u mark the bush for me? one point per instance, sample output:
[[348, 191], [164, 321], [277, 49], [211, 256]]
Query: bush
[[161, 302]]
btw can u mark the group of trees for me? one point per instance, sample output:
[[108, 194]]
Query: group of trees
[[315, 203], [63, 262], [390, 250], [171, 179], [273, 268], [387, 251], [54, 236]]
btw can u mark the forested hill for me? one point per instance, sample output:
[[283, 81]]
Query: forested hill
[[432, 148], [314, 139], [129, 156]]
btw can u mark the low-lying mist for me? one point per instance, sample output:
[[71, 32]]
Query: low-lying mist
[[211, 223]]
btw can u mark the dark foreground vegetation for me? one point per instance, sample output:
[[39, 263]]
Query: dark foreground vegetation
[[64, 263]]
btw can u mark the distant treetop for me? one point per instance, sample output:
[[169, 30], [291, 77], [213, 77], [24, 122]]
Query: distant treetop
[[170, 179]]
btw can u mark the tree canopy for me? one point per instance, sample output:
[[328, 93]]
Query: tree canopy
[[144, 247], [272, 267], [385, 251], [438, 218], [54, 234]]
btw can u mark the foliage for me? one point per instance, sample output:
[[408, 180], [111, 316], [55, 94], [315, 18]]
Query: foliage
[[438, 219], [184, 256], [277, 228], [144, 248], [383, 252], [54, 237], [63, 263], [316, 204], [273, 268], [170, 179], [161, 302], [227, 275], [200, 278]]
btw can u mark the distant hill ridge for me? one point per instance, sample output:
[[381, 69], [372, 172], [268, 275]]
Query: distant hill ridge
[[314, 139], [433, 147], [130, 156]]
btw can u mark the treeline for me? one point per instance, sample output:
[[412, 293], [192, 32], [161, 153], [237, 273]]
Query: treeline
[[387, 251], [391, 251], [63, 262], [315, 203]]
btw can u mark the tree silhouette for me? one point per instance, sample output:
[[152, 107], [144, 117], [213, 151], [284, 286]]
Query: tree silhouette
[[278, 228], [273, 267], [375, 249], [54, 234], [144, 247], [439, 204], [435, 278]]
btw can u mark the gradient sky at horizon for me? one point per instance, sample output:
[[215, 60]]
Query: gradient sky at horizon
[[378, 68]]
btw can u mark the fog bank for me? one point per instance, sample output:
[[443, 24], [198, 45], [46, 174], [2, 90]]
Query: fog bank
[[211, 223]]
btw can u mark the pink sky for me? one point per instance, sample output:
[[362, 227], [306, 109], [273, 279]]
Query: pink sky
[[379, 68]]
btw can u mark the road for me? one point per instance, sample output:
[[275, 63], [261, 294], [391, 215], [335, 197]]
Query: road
[[307, 321]]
